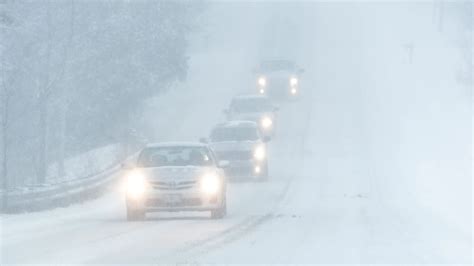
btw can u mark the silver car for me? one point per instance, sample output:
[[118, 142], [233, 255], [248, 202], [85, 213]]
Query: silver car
[[241, 144], [278, 78], [176, 177], [257, 108]]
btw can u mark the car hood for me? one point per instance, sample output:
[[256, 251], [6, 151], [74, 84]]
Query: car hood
[[252, 116], [233, 145], [180, 173]]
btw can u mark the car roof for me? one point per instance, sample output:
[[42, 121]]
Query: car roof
[[176, 144], [249, 96], [278, 62], [272, 60], [237, 123]]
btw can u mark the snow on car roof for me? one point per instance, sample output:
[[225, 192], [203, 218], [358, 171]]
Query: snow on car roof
[[176, 144], [276, 60], [237, 123], [250, 96], [277, 64]]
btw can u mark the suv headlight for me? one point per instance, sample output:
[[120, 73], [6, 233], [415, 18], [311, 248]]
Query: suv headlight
[[136, 184], [266, 122], [262, 81], [210, 184], [259, 153], [293, 81]]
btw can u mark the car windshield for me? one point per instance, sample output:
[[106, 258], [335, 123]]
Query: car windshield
[[277, 65], [174, 156], [251, 105], [234, 134]]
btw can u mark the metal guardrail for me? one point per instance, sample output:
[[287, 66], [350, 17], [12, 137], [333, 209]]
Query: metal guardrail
[[61, 194], [57, 195]]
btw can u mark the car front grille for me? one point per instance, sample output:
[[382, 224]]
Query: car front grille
[[235, 155], [191, 202], [246, 171], [278, 83], [179, 185]]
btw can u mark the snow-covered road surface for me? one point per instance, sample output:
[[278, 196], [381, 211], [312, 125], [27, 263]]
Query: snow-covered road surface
[[312, 210]]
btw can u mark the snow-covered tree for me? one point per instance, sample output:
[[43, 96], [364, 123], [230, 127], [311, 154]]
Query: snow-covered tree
[[75, 73]]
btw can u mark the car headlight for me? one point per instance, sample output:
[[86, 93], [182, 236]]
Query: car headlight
[[136, 184], [293, 91], [210, 184], [259, 153], [258, 169], [293, 81], [262, 81], [266, 122]]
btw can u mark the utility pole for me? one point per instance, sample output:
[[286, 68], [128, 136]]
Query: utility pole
[[409, 47], [441, 16]]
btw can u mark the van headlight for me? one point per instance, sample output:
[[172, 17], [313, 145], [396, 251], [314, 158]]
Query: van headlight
[[210, 184], [262, 81], [136, 185], [293, 81], [266, 122], [259, 153]]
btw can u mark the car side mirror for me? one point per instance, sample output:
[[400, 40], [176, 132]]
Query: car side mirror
[[204, 140], [301, 71], [223, 164], [276, 108], [266, 139]]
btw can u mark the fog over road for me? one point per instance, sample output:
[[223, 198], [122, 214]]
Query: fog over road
[[341, 188]]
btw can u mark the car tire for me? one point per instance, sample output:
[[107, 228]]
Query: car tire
[[220, 212], [135, 215]]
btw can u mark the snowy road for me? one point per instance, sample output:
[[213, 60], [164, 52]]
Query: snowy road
[[312, 210], [97, 231], [330, 198]]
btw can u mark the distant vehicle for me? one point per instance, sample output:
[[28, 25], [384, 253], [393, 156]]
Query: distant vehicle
[[278, 78], [242, 145], [257, 108], [176, 177]]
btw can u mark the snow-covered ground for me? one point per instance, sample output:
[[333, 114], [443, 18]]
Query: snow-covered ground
[[87, 164], [373, 165]]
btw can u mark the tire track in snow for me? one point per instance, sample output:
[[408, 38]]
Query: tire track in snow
[[191, 251]]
